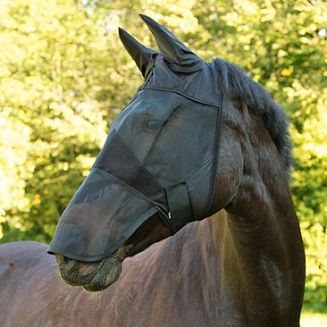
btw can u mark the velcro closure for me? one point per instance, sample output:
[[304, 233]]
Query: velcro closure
[[179, 205]]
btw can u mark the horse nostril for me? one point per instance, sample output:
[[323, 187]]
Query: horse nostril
[[69, 263], [66, 260]]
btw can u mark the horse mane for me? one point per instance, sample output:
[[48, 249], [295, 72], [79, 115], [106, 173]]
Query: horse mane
[[235, 83]]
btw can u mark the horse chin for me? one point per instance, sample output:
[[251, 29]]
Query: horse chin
[[93, 276]]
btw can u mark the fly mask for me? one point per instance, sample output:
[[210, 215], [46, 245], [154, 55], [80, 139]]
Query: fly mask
[[160, 156]]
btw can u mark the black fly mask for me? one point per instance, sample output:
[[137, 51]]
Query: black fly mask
[[159, 158]]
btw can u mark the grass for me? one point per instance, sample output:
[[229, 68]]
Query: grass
[[310, 319]]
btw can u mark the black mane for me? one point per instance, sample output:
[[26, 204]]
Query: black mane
[[235, 83]]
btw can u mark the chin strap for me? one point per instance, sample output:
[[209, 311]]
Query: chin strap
[[179, 206]]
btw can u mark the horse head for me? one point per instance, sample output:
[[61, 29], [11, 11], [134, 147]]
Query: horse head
[[171, 157]]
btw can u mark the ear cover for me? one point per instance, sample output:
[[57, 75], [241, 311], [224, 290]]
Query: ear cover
[[173, 50], [142, 55]]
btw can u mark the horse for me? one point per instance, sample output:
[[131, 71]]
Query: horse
[[186, 218]]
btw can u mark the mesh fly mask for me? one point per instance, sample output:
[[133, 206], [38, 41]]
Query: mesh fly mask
[[160, 156]]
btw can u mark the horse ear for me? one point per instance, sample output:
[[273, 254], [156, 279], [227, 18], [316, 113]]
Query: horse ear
[[141, 55], [173, 50]]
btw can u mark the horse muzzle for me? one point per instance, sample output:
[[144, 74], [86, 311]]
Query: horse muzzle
[[93, 276]]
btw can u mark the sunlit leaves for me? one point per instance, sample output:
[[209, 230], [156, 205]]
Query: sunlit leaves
[[53, 65]]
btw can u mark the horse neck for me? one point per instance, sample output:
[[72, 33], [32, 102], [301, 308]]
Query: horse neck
[[262, 256]]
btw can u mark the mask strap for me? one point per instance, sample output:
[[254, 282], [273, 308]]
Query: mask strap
[[179, 206]]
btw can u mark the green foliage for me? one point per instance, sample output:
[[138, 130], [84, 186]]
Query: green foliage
[[60, 89], [53, 61]]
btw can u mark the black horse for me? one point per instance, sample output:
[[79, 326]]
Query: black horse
[[198, 140]]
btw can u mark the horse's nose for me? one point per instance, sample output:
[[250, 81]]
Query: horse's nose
[[74, 267], [69, 263], [77, 273]]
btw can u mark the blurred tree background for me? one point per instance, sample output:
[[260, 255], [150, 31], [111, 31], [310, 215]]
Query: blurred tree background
[[64, 76]]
